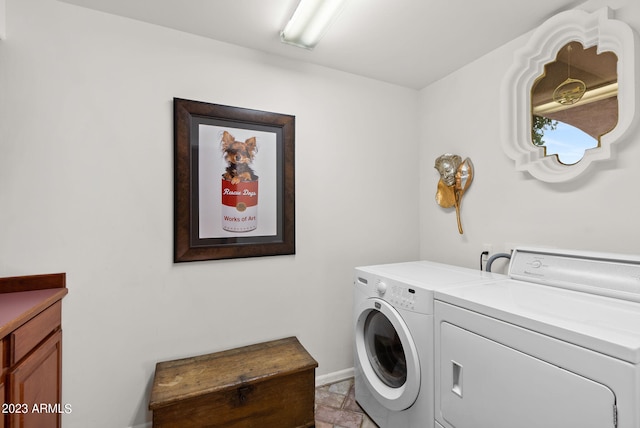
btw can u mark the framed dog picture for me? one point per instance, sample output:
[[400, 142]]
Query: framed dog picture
[[234, 193]]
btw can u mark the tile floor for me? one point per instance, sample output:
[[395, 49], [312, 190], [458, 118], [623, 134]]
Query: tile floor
[[336, 407]]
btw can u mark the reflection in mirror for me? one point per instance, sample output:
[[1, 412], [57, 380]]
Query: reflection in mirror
[[529, 83], [574, 102]]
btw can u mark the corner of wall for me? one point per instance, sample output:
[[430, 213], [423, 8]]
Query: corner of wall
[[338, 376], [3, 19]]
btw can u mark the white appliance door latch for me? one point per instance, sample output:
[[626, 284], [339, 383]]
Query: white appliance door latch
[[456, 387]]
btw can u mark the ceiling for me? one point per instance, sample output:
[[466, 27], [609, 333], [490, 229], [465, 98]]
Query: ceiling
[[410, 43]]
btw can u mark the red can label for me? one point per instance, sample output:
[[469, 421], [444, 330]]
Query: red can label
[[239, 206], [244, 193]]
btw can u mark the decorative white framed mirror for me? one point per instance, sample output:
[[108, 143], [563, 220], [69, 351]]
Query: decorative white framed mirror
[[569, 95]]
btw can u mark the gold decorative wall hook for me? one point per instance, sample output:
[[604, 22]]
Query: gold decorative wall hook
[[455, 178]]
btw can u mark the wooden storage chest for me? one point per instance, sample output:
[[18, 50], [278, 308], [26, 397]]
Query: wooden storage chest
[[267, 385]]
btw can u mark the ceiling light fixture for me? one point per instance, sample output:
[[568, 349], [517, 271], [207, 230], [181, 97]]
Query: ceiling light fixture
[[571, 90], [590, 96], [310, 21]]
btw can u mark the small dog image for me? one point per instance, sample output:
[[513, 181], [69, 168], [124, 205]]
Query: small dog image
[[238, 155]]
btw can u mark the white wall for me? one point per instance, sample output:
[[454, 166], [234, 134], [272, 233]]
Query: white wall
[[86, 187], [3, 20], [459, 114]]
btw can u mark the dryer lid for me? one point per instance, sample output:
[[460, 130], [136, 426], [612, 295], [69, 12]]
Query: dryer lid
[[606, 325]]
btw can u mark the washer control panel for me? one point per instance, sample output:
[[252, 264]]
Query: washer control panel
[[381, 287], [397, 293], [403, 297]]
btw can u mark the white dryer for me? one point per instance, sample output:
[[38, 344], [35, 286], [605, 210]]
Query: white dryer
[[393, 322], [556, 346]]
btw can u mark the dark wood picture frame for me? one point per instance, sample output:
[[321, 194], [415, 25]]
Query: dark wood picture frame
[[201, 227]]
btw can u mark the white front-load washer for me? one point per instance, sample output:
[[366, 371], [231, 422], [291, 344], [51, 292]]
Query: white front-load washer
[[557, 345], [393, 322]]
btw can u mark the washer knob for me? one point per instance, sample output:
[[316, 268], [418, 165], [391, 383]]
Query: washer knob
[[381, 287]]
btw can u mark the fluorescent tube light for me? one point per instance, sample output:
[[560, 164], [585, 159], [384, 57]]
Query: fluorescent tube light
[[310, 21]]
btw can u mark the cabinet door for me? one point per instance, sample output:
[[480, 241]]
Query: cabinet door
[[36, 382], [485, 384], [2, 415]]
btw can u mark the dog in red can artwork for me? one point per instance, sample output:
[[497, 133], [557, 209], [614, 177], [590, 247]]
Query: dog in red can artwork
[[239, 156]]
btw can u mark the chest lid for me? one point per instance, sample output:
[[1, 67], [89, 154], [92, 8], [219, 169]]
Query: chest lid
[[191, 377]]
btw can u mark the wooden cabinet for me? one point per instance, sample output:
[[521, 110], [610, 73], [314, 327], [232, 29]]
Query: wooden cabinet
[[3, 369], [31, 351], [2, 415], [36, 382]]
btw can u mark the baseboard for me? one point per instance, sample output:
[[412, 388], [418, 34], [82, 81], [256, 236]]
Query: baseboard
[[334, 377], [145, 425]]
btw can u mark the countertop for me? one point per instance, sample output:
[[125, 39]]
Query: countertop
[[17, 307]]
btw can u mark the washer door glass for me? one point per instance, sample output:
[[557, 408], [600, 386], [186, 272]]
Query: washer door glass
[[384, 350], [386, 357]]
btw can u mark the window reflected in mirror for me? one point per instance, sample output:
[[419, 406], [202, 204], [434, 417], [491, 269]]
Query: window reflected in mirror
[[574, 102]]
